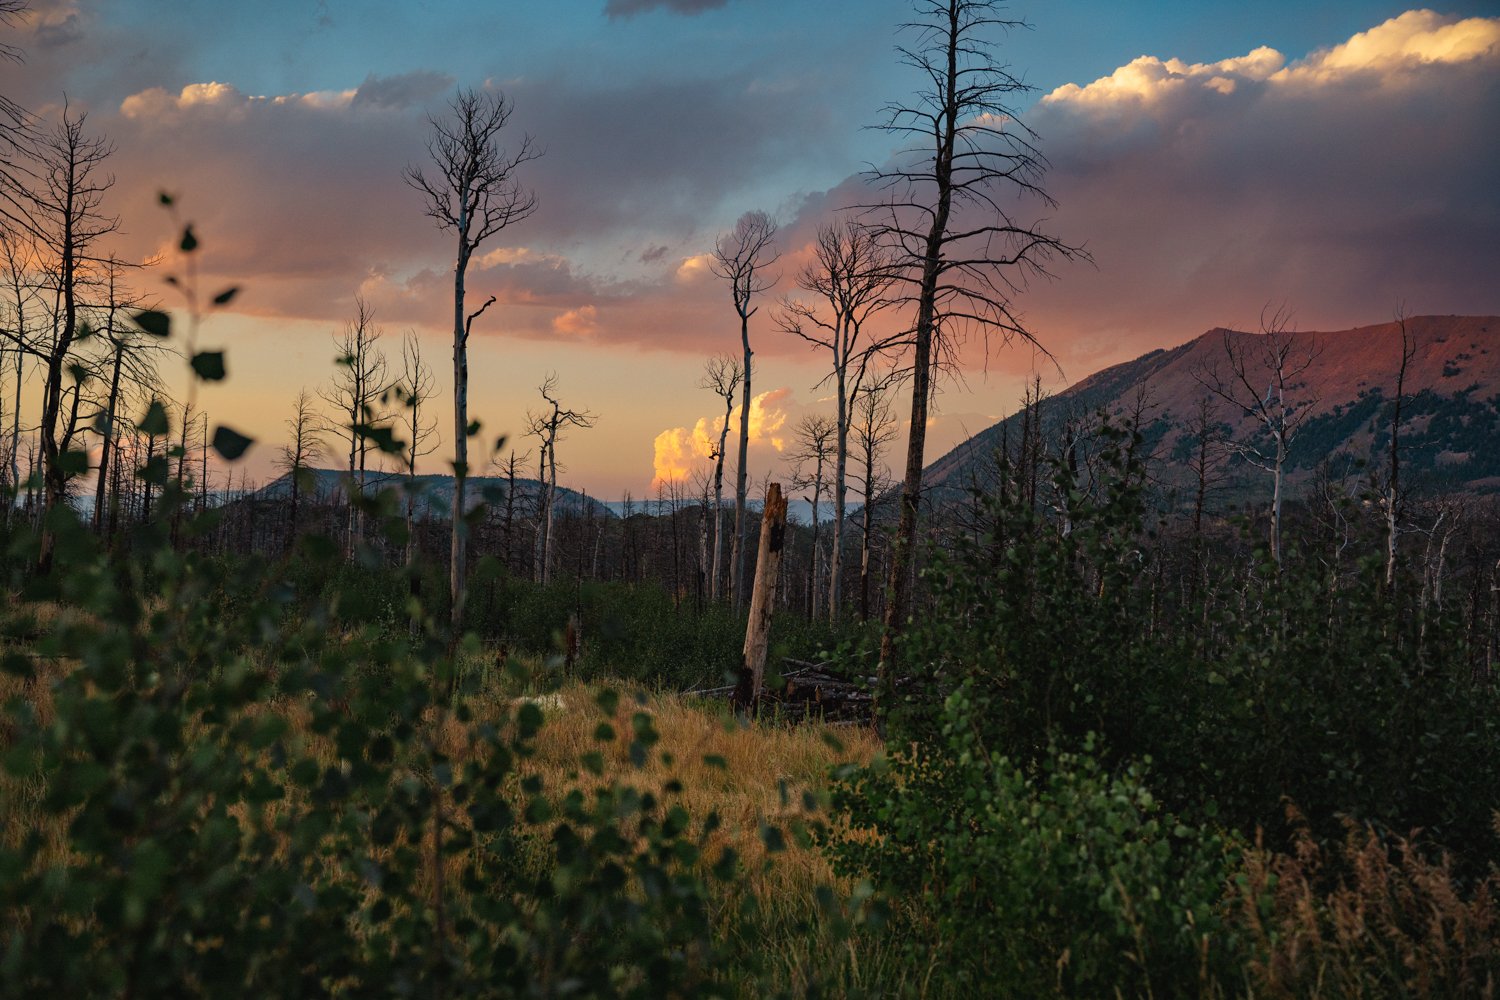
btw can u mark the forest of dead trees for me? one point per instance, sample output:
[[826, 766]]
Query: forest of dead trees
[[86, 420]]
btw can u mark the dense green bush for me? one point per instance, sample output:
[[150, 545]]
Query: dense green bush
[[1033, 880], [1261, 686]]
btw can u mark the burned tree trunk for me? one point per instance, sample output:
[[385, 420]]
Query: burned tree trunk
[[762, 599]]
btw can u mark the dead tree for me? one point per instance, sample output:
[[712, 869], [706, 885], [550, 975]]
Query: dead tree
[[874, 428], [66, 218], [130, 356], [412, 391], [1208, 437], [508, 469], [743, 258], [357, 386], [1277, 360], [815, 445], [723, 375], [1392, 496], [299, 455], [19, 253], [762, 600], [547, 426], [17, 132], [850, 275], [949, 215], [475, 192]]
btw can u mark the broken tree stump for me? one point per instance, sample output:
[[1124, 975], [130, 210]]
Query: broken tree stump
[[762, 600]]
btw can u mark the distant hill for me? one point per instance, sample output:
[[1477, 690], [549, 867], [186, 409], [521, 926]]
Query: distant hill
[[1450, 434], [435, 493]]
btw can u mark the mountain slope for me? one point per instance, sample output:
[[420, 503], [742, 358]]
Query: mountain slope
[[435, 493], [1450, 433]]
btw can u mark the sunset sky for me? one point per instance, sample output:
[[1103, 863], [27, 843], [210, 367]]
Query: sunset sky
[[1337, 158]]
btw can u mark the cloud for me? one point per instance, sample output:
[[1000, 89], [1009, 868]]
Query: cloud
[[402, 90], [679, 452], [698, 267], [577, 322], [1414, 38], [1340, 184], [629, 8], [222, 102], [300, 198], [1148, 78]]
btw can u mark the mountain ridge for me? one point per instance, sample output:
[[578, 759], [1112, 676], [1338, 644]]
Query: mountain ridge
[[1451, 410]]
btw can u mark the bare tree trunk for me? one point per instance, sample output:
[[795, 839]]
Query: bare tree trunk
[[736, 559], [718, 563], [15, 423], [911, 489], [762, 600], [110, 408], [457, 575], [474, 192], [841, 470]]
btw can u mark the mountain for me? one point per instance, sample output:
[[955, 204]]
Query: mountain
[[1450, 427], [435, 493]]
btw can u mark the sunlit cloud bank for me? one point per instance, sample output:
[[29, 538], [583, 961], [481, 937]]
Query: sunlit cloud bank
[[1340, 184], [681, 452]]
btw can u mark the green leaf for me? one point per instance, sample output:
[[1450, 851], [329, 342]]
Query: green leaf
[[383, 436], [230, 443], [224, 297], [154, 322], [154, 422], [189, 241], [73, 463], [164, 198], [209, 365]]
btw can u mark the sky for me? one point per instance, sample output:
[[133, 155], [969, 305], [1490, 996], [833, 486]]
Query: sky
[[1336, 159]]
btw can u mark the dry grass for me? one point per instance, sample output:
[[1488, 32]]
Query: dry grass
[[1394, 922], [749, 774]]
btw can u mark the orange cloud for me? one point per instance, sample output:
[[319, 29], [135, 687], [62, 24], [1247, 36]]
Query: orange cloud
[[1415, 38], [577, 322], [679, 451], [223, 99]]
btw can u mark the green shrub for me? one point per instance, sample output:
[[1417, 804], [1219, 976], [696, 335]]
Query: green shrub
[[201, 797], [1264, 686], [1027, 881]]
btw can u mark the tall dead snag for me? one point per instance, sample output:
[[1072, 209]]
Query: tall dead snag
[[547, 426], [298, 455], [874, 427], [722, 374], [949, 217], [357, 385], [851, 274], [413, 391], [815, 437], [742, 259], [762, 600], [66, 219], [475, 193], [129, 361], [1276, 360]]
